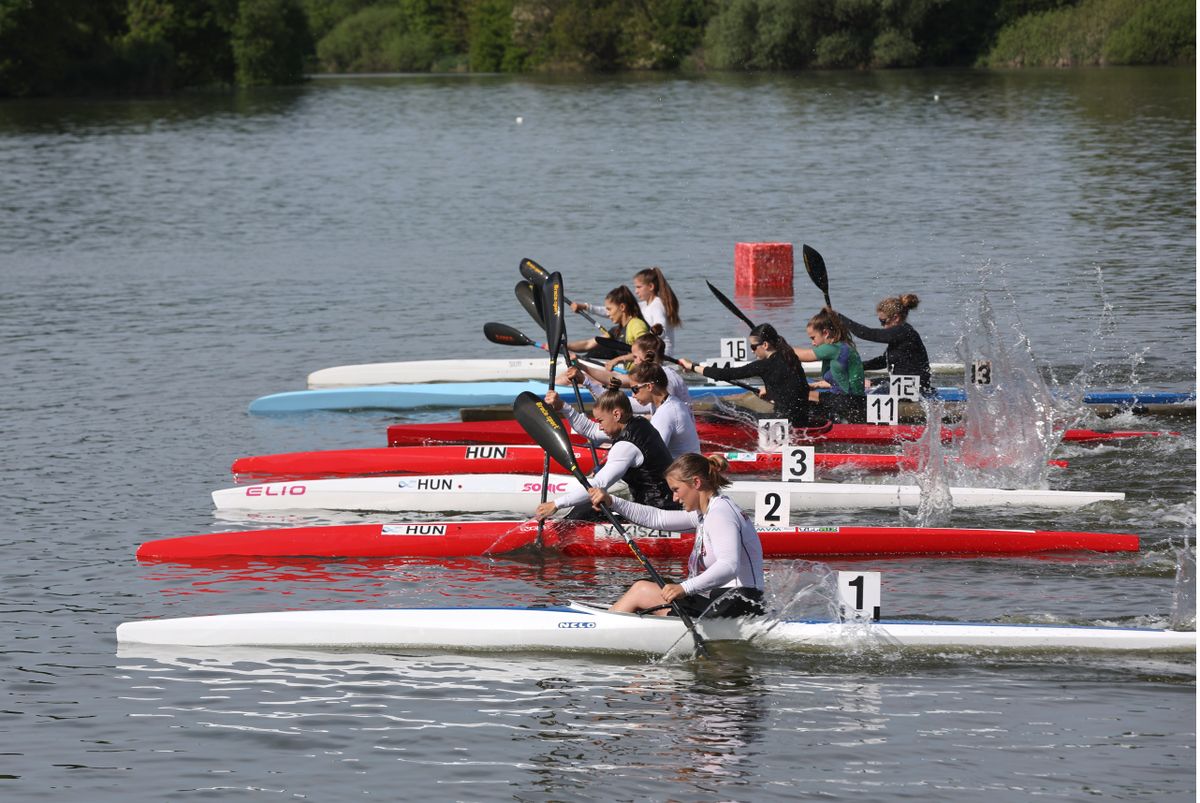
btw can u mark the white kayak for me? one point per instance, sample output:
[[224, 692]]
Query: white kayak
[[587, 628], [483, 370], [520, 494], [418, 371]]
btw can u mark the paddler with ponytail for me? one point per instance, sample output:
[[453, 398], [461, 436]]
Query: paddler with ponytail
[[646, 349], [672, 418], [638, 456], [905, 354], [784, 383], [841, 369], [725, 570], [622, 308]]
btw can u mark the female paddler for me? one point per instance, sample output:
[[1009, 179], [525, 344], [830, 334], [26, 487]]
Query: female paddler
[[646, 349], [657, 305], [672, 418], [622, 308], [841, 369], [905, 354], [725, 569], [638, 456], [784, 383]]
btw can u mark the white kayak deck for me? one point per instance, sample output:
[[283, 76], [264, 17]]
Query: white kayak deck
[[477, 370], [520, 494], [586, 628]]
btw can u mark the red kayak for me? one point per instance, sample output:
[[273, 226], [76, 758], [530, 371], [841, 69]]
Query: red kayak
[[498, 459], [458, 539], [713, 435]]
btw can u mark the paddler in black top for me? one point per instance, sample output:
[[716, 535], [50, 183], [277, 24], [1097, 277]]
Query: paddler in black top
[[638, 456], [905, 354], [784, 383]]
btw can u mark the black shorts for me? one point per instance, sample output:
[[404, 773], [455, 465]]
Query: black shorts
[[726, 603]]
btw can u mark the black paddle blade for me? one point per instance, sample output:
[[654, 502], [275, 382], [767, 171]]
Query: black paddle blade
[[531, 301], [533, 272], [505, 335], [554, 307], [729, 305], [618, 346], [815, 265], [547, 431]]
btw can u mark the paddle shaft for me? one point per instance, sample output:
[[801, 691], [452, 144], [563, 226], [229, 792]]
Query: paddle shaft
[[618, 345]]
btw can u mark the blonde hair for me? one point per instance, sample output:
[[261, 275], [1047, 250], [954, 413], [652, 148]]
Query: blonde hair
[[709, 469], [612, 400]]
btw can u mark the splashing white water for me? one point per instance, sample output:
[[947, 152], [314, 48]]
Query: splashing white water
[[1013, 423], [1183, 598]]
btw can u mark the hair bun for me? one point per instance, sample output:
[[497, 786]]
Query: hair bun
[[909, 301]]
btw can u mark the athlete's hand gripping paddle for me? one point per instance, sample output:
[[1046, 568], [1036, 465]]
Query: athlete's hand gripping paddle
[[546, 429]]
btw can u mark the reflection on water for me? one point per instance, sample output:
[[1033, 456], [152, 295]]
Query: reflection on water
[[549, 727]]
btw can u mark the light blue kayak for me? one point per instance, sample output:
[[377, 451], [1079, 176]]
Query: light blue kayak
[[440, 394], [1120, 398]]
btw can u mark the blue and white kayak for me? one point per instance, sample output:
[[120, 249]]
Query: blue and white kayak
[[482, 370], [441, 394], [578, 627], [1117, 398]]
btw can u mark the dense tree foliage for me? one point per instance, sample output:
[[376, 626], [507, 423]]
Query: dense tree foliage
[[79, 46]]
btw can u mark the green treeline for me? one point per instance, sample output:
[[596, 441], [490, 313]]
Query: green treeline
[[52, 47]]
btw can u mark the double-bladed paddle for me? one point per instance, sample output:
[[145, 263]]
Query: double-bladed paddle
[[815, 265], [547, 430], [536, 275], [621, 347], [504, 335], [729, 305]]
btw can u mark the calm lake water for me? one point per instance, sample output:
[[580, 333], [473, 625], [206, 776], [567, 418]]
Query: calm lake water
[[164, 262]]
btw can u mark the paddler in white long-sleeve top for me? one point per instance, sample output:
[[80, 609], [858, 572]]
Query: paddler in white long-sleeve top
[[725, 570], [672, 418], [638, 455]]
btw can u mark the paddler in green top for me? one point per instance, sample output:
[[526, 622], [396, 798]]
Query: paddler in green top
[[622, 308], [841, 368]]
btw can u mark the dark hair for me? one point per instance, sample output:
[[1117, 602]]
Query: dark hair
[[613, 400], [898, 305], [710, 469], [650, 372], [623, 297], [654, 277], [767, 334], [651, 344], [831, 324]]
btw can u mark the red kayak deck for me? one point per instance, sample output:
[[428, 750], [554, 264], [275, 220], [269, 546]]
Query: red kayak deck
[[715, 435], [501, 459], [470, 538]]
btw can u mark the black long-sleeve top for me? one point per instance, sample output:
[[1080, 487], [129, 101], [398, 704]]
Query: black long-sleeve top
[[786, 389], [905, 354]]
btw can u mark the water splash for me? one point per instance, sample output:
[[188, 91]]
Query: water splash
[[801, 589], [1013, 423], [932, 474], [1183, 597]]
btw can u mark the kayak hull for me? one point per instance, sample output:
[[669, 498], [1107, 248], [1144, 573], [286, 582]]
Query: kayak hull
[[582, 628], [482, 370], [713, 435], [521, 494], [497, 458], [587, 539], [411, 397]]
